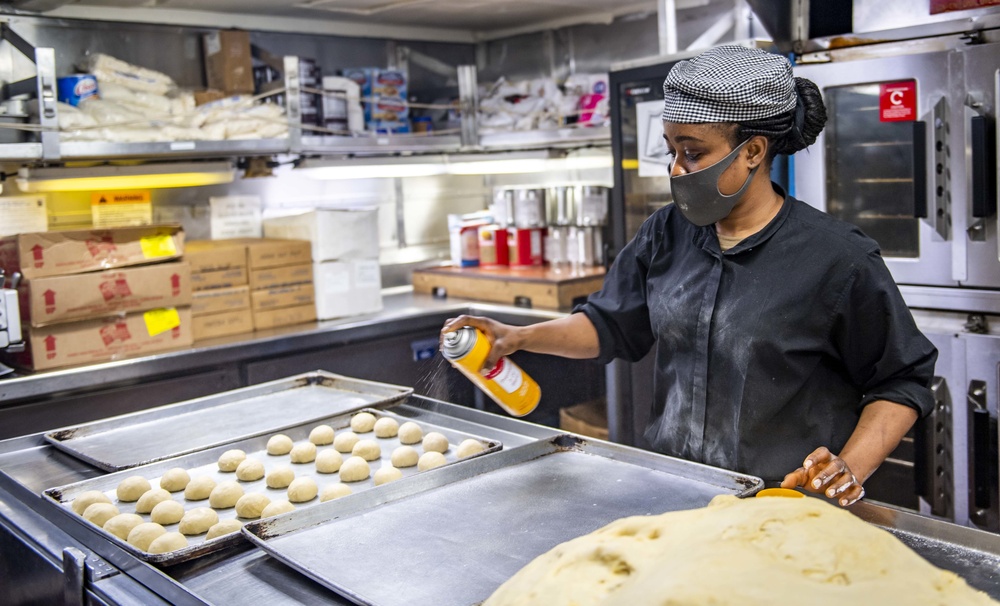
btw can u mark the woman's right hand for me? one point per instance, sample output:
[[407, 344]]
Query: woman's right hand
[[504, 339]]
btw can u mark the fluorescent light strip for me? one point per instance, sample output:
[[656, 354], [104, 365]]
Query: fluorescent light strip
[[494, 166]]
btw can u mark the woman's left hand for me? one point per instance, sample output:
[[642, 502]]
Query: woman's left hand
[[825, 472]]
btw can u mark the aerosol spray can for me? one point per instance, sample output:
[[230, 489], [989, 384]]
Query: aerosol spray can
[[506, 383]]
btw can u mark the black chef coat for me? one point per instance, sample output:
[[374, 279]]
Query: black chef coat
[[768, 350]]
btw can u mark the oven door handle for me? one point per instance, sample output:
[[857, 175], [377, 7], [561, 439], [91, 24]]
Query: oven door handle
[[983, 143], [920, 169]]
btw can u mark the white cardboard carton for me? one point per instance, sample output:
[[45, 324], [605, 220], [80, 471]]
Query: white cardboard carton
[[336, 234], [347, 288]]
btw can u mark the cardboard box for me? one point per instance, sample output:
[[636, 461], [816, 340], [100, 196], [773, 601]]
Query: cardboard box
[[219, 300], [222, 324], [57, 253], [272, 252], [223, 278], [288, 275], [100, 294], [228, 62], [334, 234], [201, 97], [90, 341], [215, 255], [283, 296], [387, 88], [285, 316], [347, 288], [587, 419]]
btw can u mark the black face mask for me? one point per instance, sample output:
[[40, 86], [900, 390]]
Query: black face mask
[[697, 194]]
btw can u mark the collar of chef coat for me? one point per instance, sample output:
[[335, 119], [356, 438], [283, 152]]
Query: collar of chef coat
[[708, 239]]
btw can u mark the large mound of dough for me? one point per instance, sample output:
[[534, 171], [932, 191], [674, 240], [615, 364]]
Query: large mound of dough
[[736, 552]]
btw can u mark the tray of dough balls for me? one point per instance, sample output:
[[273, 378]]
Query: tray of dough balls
[[177, 429], [176, 510]]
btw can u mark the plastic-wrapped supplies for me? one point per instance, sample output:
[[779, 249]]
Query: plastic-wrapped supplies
[[158, 104], [108, 69]]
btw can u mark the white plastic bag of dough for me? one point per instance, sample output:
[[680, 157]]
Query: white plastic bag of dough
[[108, 69], [71, 117], [109, 113], [94, 134], [182, 102], [137, 100], [179, 133], [242, 126], [214, 132], [124, 134]]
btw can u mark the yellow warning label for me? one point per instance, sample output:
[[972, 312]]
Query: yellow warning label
[[161, 320], [158, 246], [120, 197]]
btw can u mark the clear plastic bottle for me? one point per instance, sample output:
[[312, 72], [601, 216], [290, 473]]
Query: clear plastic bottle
[[509, 386]]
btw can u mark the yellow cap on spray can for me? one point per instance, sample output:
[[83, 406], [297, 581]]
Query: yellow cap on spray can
[[508, 385]]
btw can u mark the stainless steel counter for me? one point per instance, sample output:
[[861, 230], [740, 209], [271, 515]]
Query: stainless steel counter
[[402, 311]]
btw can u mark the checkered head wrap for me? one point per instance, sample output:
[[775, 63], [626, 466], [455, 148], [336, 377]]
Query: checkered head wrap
[[729, 84]]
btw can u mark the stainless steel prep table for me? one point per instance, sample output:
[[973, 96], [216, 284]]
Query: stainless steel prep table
[[34, 538], [29, 465]]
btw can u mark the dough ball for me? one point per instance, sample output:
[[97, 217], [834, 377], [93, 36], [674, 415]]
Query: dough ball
[[321, 435], [386, 474], [404, 456], [223, 528], [132, 488], [410, 433], [363, 422], [280, 477], [250, 505], [167, 512], [122, 524], [344, 442], [354, 469], [368, 450], [143, 534], [430, 460], [231, 459], [304, 453], [199, 488], [468, 448], [250, 470], [100, 513], [329, 461], [334, 491], [198, 520], [151, 499], [174, 480], [386, 427], [302, 490], [277, 507], [435, 442], [279, 444], [88, 498], [165, 543], [225, 495]]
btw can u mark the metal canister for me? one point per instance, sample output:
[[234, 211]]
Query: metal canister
[[506, 384], [561, 205], [592, 205], [529, 208]]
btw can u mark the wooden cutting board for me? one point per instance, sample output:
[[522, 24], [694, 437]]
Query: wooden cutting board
[[538, 287]]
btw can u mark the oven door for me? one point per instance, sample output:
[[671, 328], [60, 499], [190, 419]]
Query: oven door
[[982, 389], [977, 232], [876, 165]]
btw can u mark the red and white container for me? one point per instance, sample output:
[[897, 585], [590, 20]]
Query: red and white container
[[526, 246]]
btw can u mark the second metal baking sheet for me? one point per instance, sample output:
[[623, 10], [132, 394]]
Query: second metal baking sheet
[[178, 429], [451, 536]]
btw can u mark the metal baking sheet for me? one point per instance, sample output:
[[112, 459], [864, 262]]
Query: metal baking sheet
[[178, 429], [453, 535], [206, 463]]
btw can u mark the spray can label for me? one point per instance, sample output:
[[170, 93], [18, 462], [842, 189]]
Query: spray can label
[[506, 376]]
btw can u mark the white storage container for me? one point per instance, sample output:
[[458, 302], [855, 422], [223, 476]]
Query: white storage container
[[347, 288], [336, 234]]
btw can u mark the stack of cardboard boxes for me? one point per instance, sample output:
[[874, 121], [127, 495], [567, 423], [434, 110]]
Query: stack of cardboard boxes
[[220, 303], [281, 282], [250, 284], [345, 248], [97, 295]]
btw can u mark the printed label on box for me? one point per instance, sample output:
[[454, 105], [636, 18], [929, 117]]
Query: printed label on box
[[23, 215], [235, 217], [367, 274]]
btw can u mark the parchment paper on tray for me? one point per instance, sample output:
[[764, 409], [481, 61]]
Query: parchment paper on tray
[[177, 429], [205, 463]]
